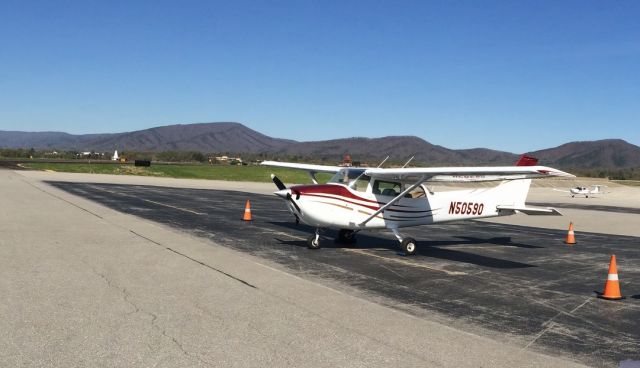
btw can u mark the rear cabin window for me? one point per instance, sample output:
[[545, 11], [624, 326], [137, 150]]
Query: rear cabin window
[[418, 192], [386, 188]]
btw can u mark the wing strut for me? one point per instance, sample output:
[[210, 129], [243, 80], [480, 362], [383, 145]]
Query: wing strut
[[394, 200], [383, 161], [312, 174], [407, 163]]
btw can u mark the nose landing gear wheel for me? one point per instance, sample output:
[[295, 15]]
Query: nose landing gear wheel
[[313, 242], [408, 245]]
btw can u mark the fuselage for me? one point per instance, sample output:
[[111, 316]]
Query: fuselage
[[336, 205]]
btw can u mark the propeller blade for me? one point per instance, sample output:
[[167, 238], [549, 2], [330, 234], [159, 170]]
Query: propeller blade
[[294, 202], [283, 192], [278, 182]]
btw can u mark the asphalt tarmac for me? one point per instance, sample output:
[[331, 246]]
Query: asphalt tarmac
[[589, 206], [510, 282]]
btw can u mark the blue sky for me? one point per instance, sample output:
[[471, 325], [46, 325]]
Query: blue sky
[[508, 75]]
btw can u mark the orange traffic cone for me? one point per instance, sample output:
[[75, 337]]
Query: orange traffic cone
[[571, 237], [612, 286], [247, 212]]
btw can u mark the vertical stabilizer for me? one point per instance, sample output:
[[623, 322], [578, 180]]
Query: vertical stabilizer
[[527, 161]]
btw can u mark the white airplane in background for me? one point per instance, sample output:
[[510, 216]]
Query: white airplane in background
[[359, 198], [577, 191]]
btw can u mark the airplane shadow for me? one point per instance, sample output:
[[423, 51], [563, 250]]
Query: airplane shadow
[[425, 248], [503, 240]]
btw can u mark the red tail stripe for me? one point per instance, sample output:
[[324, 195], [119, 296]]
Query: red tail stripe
[[527, 161]]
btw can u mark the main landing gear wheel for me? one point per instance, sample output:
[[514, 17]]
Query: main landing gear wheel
[[313, 242], [346, 236], [408, 245]]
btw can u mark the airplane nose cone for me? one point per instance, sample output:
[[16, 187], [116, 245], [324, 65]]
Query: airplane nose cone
[[283, 193]]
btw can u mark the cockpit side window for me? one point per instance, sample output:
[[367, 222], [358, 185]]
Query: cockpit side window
[[386, 188], [338, 177], [345, 176], [361, 183]]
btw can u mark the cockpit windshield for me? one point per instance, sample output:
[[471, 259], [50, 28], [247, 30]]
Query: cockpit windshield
[[346, 176]]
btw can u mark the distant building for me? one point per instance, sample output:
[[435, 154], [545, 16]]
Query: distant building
[[346, 161], [89, 155], [229, 160]]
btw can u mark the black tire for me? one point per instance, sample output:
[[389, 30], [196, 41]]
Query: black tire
[[346, 236], [409, 246], [312, 243]]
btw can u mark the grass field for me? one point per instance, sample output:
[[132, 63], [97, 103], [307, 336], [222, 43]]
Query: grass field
[[215, 172]]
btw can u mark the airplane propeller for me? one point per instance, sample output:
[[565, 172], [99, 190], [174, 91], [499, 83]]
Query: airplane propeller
[[278, 182], [284, 192]]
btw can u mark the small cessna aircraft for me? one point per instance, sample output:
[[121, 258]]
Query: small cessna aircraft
[[359, 198], [577, 191]]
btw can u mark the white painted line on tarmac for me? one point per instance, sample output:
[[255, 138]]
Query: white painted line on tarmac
[[148, 200], [412, 264], [549, 324], [174, 207], [283, 234]]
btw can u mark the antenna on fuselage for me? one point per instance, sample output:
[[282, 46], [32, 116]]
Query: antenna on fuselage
[[383, 161], [407, 163]]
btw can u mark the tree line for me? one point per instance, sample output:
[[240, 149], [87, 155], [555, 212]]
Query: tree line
[[200, 157]]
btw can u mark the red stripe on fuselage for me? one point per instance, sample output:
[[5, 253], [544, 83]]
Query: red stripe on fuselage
[[335, 189], [344, 194], [342, 199]]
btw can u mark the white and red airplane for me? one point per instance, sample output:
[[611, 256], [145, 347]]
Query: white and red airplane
[[359, 198]]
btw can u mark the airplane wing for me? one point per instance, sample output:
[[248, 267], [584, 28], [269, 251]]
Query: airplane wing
[[466, 174], [307, 167]]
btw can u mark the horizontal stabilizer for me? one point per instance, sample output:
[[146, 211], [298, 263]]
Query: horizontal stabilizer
[[531, 210]]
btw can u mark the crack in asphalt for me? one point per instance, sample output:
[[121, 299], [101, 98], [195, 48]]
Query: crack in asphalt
[[195, 260], [126, 296], [144, 237]]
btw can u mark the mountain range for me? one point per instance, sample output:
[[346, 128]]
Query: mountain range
[[236, 138]]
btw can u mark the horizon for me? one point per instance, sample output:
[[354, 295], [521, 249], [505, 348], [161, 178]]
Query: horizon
[[514, 77], [351, 137]]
